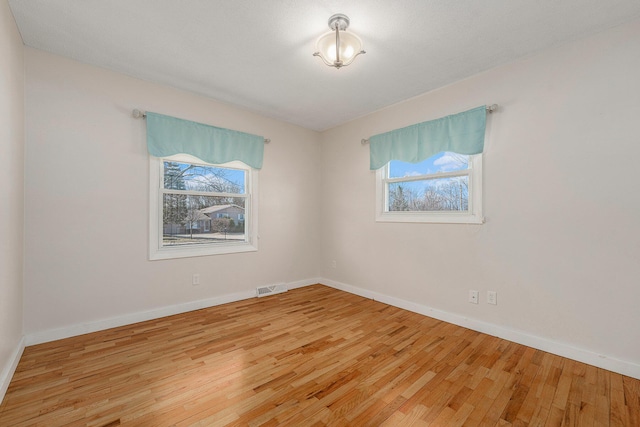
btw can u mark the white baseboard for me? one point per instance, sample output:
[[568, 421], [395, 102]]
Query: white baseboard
[[127, 319], [10, 368], [623, 367], [303, 283]]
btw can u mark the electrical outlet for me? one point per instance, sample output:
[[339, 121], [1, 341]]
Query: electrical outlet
[[473, 297], [195, 279], [492, 297]]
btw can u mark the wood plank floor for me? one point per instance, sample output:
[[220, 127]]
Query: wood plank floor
[[313, 356]]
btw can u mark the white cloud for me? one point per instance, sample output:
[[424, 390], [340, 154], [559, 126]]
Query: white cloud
[[451, 161]]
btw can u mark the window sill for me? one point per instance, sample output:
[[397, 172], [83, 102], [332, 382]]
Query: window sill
[[187, 252], [430, 218]]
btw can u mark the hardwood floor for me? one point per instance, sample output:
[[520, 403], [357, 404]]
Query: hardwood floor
[[313, 356]]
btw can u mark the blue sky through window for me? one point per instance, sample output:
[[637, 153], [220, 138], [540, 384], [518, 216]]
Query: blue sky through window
[[442, 162], [207, 178]]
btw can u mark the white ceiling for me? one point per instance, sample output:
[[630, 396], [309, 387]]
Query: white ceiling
[[257, 54]]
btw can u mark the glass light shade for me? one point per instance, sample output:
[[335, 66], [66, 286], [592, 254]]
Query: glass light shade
[[350, 47]]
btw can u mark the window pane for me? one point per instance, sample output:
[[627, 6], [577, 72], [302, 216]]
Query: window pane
[[444, 194], [190, 220], [193, 177], [441, 162]]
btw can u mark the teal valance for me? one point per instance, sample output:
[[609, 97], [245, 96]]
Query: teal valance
[[461, 133], [167, 136]]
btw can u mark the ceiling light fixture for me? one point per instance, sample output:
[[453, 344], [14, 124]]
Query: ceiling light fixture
[[338, 49]]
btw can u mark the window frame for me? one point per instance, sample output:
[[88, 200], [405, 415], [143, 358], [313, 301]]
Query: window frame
[[156, 186], [472, 216]]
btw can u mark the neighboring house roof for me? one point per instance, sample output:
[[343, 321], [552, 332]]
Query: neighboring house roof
[[201, 216], [218, 208]]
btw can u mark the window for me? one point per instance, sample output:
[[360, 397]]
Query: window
[[192, 205], [445, 188]]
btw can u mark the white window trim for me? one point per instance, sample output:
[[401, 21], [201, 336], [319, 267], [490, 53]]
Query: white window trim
[[473, 216], [158, 252]]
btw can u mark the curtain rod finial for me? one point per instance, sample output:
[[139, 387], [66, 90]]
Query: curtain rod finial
[[138, 114]]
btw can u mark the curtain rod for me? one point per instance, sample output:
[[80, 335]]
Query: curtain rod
[[137, 114], [490, 109]]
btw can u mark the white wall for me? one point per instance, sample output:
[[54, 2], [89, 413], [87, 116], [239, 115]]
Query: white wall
[[87, 200], [561, 243], [11, 191]]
